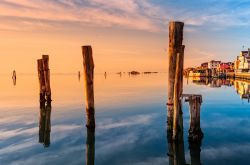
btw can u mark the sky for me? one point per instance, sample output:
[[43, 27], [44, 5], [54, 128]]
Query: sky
[[125, 35]]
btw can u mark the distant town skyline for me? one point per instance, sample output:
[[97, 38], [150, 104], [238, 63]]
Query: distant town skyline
[[125, 34]]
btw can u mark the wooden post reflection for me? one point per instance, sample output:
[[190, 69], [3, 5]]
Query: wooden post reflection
[[105, 75], [195, 133], [195, 152], [45, 123], [176, 150], [90, 147]]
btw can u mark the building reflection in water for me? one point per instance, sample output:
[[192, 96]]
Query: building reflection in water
[[212, 82], [242, 88], [176, 148], [45, 123]]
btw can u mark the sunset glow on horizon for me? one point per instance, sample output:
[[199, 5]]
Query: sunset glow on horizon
[[125, 35]]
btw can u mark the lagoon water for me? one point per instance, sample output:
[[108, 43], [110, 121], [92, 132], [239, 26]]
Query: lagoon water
[[130, 121]]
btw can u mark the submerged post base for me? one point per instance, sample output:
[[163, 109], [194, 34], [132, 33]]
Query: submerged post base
[[195, 135], [90, 112]]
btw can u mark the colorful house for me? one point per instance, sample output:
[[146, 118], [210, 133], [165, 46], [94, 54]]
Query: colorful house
[[242, 62], [204, 65], [213, 64]]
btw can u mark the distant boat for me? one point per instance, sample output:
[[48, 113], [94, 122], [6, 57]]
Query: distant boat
[[196, 74], [134, 72]]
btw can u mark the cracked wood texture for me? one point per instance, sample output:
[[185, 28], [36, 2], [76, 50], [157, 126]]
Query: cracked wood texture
[[88, 65]]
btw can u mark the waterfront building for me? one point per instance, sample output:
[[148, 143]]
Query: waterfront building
[[225, 67], [197, 73], [242, 62], [213, 64], [204, 65]]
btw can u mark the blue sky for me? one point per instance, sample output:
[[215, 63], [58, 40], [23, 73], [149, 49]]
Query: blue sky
[[213, 29]]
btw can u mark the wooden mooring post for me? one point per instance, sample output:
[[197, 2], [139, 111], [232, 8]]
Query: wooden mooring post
[[88, 65], [44, 78], [45, 100], [14, 77], [195, 132], [175, 76]]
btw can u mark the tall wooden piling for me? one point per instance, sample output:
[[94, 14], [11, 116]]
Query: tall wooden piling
[[88, 65], [175, 87], [45, 100], [175, 47], [14, 74], [181, 65], [46, 76], [177, 100], [14, 77], [41, 79]]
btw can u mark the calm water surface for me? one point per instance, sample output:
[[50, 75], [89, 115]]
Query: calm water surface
[[130, 119]]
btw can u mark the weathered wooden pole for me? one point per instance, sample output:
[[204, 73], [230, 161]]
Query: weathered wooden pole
[[177, 101], [14, 74], [41, 79], [195, 133], [45, 100], [46, 76], [181, 65], [79, 75], [88, 65], [175, 47], [14, 77]]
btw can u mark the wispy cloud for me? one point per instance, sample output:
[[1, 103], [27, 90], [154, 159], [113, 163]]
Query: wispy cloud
[[132, 14], [135, 14], [136, 120]]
